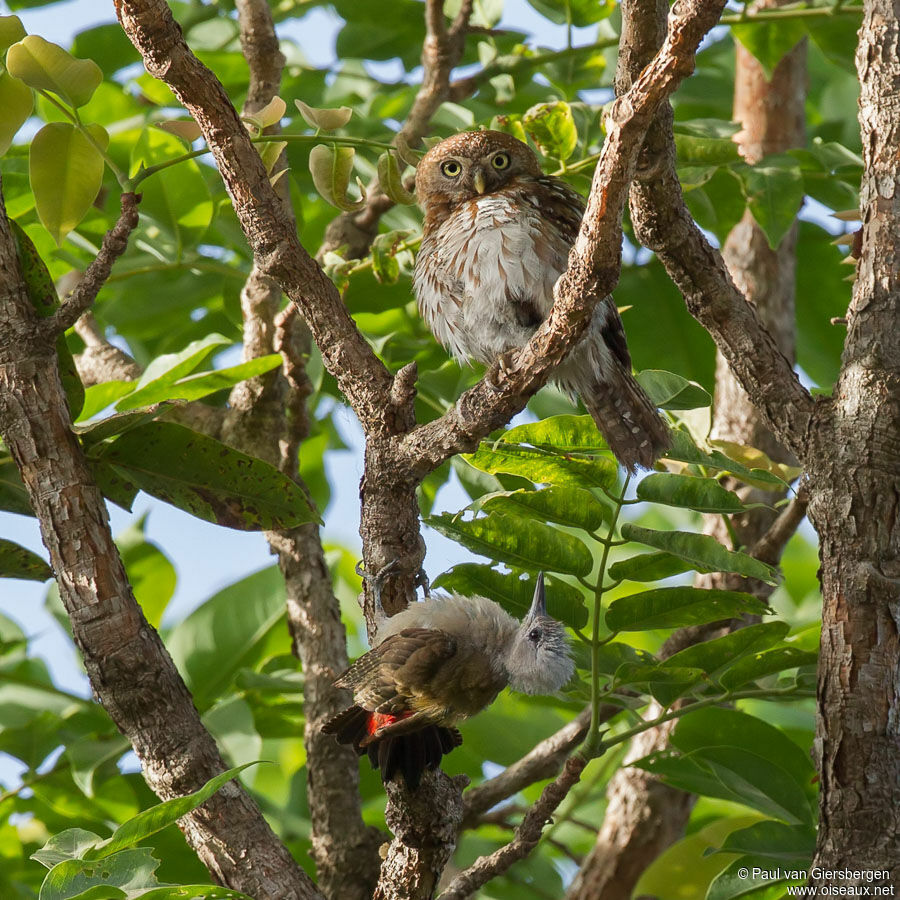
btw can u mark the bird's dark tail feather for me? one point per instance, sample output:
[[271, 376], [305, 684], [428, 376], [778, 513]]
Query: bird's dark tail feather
[[409, 754], [627, 419]]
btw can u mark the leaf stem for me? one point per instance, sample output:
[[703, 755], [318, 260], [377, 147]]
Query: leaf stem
[[592, 742]]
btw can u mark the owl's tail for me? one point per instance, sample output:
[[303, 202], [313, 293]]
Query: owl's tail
[[626, 417]]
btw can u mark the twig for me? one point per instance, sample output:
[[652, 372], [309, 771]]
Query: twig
[[115, 242], [769, 547], [543, 761], [528, 834]]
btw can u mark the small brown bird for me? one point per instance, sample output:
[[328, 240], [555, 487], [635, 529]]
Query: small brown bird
[[496, 239], [440, 661]]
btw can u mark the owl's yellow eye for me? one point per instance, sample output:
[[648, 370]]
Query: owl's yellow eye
[[451, 168], [500, 161]]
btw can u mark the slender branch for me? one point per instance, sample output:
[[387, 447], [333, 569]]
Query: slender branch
[[528, 834], [542, 761], [769, 547], [594, 262], [115, 242]]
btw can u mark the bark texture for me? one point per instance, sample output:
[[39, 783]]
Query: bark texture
[[855, 506], [130, 670], [643, 815]]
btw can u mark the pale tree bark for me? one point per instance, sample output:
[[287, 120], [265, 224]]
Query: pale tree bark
[[855, 474]]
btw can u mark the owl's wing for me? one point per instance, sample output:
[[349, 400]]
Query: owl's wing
[[563, 206]]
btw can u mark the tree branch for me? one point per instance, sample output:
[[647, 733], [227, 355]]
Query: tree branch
[[528, 834], [542, 761], [277, 251], [115, 242], [129, 669]]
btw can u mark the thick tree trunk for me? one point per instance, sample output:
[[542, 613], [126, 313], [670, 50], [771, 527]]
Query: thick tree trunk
[[643, 815], [855, 506]]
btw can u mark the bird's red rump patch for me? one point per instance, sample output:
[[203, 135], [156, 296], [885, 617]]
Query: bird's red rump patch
[[379, 720]]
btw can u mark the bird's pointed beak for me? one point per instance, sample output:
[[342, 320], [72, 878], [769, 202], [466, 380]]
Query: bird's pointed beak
[[478, 181], [539, 602]]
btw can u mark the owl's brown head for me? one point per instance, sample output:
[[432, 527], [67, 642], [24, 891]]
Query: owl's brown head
[[467, 165]]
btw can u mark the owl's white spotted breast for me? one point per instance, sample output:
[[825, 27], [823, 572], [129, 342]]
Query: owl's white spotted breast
[[489, 259]]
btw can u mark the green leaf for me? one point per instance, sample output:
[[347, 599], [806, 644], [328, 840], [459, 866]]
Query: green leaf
[[693, 150], [774, 190], [69, 844], [13, 493], [544, 468], [721, 727], [676, 607], [177, 198], [385, 266], [201, 384], [702, 551], [552, 126], [702, 494], [521, 542], [16, 103], [684, 449], [170, 367], [722, 653], [664, 683], [760, 665], [87, 755], [47, 67], [11, 31], [19, 562], [227, 633], [770, 42], [391, 182], [670, 391], [207, 478], [648, 567], [736, 774], [774, 840], [158, 817], [119, 423], [98, 396], [766, 879], [564, 505], [331, 167], [581, 12], [560, 434], [66, 171], [514, 591], [150, 572]]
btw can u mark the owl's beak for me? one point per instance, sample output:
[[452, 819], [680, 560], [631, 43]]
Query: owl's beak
[[478, 181]]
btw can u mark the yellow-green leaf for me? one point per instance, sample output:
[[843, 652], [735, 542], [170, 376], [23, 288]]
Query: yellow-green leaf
[[391, 182], [11, 31], [47, 67], [331, 167], [16, 102], [552, 126], [66, 171]]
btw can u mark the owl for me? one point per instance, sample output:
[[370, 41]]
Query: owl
[[497, 237]]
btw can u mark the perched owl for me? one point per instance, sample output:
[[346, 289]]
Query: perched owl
[[497, 237]]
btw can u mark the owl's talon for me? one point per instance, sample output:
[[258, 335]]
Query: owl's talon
[[500, 371]]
